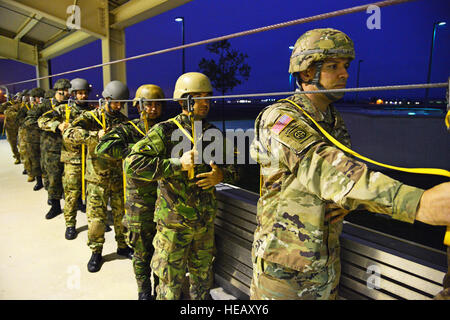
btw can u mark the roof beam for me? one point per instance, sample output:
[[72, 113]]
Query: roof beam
[[17, 50], [27, 26], [71, 42], [92, 13], [135, 11]]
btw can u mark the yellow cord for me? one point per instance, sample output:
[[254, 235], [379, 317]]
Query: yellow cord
[[83, 188], [433, 171]]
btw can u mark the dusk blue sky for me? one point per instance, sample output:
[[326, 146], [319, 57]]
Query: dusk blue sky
[[398, 53]]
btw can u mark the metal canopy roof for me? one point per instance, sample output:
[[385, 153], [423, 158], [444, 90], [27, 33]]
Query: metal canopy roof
[[33, 30]]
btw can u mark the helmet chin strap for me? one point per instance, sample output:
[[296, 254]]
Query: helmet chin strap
[[333, 96]]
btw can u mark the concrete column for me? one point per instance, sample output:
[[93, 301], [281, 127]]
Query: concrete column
[[113, 48], [42, 70]]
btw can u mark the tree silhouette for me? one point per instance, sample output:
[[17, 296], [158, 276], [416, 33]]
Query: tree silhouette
[[229, 71]]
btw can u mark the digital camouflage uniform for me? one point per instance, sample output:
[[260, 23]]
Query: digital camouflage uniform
[[50, 146], [70, 157], [33, 139], [11, 127], [140, 198], [296, 248], [21, 109], [184, 212], [103, 176]]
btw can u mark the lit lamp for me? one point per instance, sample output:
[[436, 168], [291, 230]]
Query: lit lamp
[[181, 19], [435, 25]]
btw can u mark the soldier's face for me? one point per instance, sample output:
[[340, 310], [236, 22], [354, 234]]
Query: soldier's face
[[62, 94], [201, 106], [115, 106], [152, 109], [81, 95], [334, 73]]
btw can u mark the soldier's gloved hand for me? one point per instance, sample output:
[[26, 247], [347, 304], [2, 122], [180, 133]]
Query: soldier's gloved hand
[[434, 206], [211, 178], [63, 126], [101, 133], [187, 160]]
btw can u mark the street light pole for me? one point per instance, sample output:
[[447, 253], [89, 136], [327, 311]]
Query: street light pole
[[357, 78], [181, 19], [435, 25]]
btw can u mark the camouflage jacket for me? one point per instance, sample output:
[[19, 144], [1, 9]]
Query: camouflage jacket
[[50, 141], [49, 122], [140, 194], [180, 201], [84, 130], [9, 110], [306, 177]]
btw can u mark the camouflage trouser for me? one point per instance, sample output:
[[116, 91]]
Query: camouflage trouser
[[23, 149], [54, 170], [272, 281], [96, 210], [11, 135], [72, 191], [177, 248], [141, 241], [34, 156]]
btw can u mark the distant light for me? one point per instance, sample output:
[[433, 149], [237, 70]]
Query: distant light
[[443, 23], [411, 113], [379, 101], [291, 47], [179, 19], [90, 86]]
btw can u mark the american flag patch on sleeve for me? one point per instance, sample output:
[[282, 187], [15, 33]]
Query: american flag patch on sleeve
[[282, 122]]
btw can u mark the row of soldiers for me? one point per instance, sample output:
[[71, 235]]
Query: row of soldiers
[[309, 180], [77, 142]]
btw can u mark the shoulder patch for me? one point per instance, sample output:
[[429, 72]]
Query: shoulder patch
[[281, 123]]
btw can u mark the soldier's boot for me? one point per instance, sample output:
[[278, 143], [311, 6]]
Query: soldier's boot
[[107, 228], [54, 210], [30, 179], [49, 202], [24, 171], [147, 295], [125, 252], [39, 185], [17, 161], [81, 206], [71, 233], [95, 263]]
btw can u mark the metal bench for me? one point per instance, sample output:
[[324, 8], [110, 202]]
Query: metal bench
[[374, 265]]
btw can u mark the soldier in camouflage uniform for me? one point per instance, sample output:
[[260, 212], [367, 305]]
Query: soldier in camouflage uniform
[[57, 121], [21, 112], [34, 138], [185, 208], [51, 145], [103, 176], [309, 185], [11, 127], [140, 196]]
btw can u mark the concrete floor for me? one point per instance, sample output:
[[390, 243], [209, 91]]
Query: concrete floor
[[37, 262]]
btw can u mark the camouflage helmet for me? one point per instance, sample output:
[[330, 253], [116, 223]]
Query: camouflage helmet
[[192, 82], [37, 92], [116, 90], [61, 84], [25, 92], [79, 84], [50, 93], [148, 91], [318, 45]]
